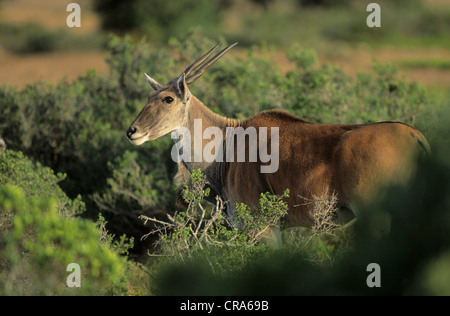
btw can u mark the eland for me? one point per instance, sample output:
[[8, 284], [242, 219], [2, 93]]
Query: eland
[[357, 162]]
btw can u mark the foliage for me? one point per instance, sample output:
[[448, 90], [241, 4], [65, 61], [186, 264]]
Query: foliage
[[328, 95], [41, 244], [254, 223], [139, 185], [204, 233], [121, 245], [37, 181], [34, 38]]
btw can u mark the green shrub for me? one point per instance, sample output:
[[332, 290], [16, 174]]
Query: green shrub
[[41, 244], [40, 235], [328, 95], [201, 235], [253, 223], [37, 181]]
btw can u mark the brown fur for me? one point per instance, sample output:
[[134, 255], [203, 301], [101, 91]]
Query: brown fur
[[355, 161]]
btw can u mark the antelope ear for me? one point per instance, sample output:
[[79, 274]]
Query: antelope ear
[[183, 89], [153, 83]]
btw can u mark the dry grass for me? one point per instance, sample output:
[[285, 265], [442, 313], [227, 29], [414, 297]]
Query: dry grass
[[323, 212], [197, 229]]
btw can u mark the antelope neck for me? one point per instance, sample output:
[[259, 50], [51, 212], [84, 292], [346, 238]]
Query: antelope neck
[[199, 111]]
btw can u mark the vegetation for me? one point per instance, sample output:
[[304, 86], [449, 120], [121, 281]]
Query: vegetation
[[40, 237], [280, 22], [205, 232], [34, 38], [72, 188]]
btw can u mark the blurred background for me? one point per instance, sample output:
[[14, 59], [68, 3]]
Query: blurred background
[[35, 41]]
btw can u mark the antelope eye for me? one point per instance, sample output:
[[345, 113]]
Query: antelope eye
[[168, 100]]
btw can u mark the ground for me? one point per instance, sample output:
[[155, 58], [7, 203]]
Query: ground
[[18, 70]]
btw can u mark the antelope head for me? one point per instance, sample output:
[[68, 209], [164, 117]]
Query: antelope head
[[168, 105]]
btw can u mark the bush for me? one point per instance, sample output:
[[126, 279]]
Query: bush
[[412, 257], [41, 233], [202, 234], [327, 95], [254, 223], [139, 185], [37, 181]]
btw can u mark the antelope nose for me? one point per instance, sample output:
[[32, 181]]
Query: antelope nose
[[131, 131]]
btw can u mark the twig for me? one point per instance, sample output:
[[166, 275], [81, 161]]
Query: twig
[[141, 266]]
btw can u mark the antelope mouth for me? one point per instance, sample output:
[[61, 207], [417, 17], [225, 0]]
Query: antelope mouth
[[138, 139]]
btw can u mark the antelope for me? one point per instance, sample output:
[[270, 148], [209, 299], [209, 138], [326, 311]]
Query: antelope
[[357, 162]]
